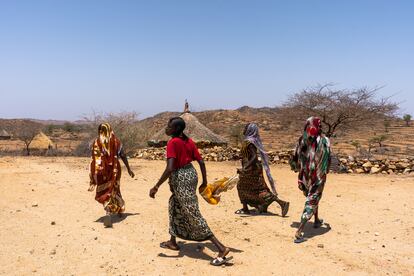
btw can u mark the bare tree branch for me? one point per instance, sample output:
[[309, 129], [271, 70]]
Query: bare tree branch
[[339, 109]]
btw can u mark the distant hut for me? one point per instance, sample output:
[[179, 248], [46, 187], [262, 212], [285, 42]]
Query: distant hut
[[198, 132], [41, 142], [4, 135]]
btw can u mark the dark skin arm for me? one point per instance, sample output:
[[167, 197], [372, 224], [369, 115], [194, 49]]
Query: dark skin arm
[[124, 158], [165, 175], [204, 174]]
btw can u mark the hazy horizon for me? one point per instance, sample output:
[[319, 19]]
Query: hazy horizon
[[63, 60]]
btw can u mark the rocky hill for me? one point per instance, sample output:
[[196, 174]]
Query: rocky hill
[[278, 134]]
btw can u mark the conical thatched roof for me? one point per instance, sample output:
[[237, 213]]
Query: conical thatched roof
[[4, 134], [198, 132], [41, 141]]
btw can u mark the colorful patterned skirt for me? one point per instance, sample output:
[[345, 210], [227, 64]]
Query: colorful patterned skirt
[[115, 204], [186, 221], [253, 190], [108, 193]]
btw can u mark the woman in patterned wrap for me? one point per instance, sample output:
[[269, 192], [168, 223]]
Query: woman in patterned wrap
[[186, 221], [311, 159], [252, 188], [105, 172]]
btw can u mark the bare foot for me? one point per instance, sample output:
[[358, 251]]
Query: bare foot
[[224, 253], [285, 208], [170, 245], [318, 223]]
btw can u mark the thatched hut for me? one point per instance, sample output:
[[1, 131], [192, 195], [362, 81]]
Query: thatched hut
[[41, 142], [198, 132], [4, 135]]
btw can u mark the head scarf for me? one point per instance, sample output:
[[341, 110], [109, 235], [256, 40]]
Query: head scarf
[[252, 135], [105, 135], [313, 150], [313, 128]]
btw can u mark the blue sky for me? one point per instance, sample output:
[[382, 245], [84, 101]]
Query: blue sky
[[64, 59]]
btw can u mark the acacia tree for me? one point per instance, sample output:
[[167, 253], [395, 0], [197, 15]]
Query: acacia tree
[[379, 139], [407, 119], [26, 132], [339, 108]]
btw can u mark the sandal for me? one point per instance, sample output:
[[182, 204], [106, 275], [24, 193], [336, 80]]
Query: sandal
[[218, 261], [168, 245], [242, 212], [318, 223], [262, 209], [299, 239]]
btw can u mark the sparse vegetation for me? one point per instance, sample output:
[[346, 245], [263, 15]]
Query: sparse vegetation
[[407, 119], [356, 145], [124, 125], [378, 139], [49, 129], [339, 109], [387, 125], [26, 134]]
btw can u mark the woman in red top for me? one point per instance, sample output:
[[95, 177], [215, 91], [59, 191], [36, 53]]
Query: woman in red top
[[186, 221]]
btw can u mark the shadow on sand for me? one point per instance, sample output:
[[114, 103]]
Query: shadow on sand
[[255, 212], [117, 218], [196, 250], [310, 232]]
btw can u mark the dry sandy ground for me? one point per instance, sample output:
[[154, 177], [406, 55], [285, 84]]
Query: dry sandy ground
[[51, 226]]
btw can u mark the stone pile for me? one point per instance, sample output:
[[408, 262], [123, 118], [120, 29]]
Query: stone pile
[[341, 164], [217, 154], [375, 166]]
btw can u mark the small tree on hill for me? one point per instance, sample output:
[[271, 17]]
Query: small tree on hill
[[26, 134], [407, 119], [338, 109], [387, 125], [356, 145], [379, 139]]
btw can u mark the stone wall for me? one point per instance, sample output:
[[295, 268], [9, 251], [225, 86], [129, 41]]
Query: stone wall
[[340, 164]]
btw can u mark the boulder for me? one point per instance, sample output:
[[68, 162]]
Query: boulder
[[343, 160], [375, 170], [367, 165], [359, 170], [392, 167], [402, 165]]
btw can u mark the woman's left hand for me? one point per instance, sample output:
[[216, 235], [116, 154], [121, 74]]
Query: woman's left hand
[[153, 191], [91, 187], [202, 187]]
